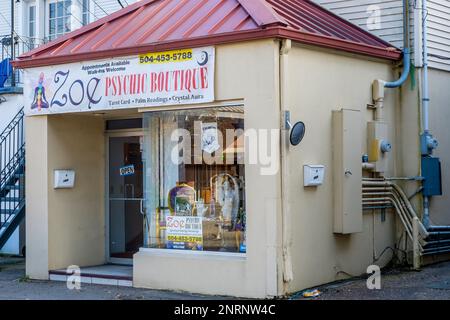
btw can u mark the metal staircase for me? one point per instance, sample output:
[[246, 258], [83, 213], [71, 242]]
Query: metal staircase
[[12, 177]]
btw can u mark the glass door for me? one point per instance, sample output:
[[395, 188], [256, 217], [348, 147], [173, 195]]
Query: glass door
[[125, 197]]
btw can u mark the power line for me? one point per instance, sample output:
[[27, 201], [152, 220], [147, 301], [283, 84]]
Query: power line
[[76, 18], [16, 34], [95, 2], [86, 7]]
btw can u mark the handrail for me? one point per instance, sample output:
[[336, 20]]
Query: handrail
[[12, 147], [12, 178], [12, 123]]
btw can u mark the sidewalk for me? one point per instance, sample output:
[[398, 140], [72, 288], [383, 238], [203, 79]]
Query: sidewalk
[[431, 283], [14, 285]]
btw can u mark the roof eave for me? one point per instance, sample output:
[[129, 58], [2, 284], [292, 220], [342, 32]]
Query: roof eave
[[390, 53], [226, 38]]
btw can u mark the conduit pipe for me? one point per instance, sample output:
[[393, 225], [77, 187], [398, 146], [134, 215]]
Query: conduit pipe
[[401, 214], [425, 87], [387, 184], [405, 73], [379, 85], [288, 274], [406, 50], [390, 198], [381, 192]]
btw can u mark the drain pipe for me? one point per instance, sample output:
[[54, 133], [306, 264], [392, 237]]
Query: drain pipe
[[406, 57], [405, 73], [379, 85]]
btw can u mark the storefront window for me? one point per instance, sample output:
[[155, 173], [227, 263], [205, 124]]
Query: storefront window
[[194, 180]]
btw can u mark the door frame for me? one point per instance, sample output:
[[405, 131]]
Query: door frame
[[108, 135]]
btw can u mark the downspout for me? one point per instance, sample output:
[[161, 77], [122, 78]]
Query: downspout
[[288, 276], [405, 73], [379, 85]]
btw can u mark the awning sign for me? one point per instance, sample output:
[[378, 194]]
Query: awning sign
[[154, 79], [184, 233]]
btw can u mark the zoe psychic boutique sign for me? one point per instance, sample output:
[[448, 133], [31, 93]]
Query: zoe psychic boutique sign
[[154, 79]]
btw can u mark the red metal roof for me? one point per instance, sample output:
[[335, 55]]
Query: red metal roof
[[155, 25]]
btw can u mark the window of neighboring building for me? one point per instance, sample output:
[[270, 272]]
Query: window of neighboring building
[[32, 26], [85, 9], [61, 15]]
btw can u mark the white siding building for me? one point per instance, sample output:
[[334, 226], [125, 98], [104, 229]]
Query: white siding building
[[384, 18], [439, 33]]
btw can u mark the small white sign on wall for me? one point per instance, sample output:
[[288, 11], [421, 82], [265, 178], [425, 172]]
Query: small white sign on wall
[[313, 175], [64, 179]]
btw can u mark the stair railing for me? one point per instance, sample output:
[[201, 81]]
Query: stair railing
[[12, 169]]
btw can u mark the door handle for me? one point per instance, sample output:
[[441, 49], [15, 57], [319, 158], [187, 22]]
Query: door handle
[[132, 189]]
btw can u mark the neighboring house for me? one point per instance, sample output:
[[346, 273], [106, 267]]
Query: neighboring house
[[37, 22], [385, 19]]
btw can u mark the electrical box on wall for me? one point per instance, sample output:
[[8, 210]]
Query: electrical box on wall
[[347, 171], [64, 179], [313, 175], [378, 145], [431, 172]]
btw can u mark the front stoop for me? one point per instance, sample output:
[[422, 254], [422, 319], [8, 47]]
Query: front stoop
[[98, 277]]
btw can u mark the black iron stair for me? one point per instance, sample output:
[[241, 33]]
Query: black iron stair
[[12, 177]]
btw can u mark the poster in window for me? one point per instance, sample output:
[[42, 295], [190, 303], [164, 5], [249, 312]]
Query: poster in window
[[210, 137], [184, 233]]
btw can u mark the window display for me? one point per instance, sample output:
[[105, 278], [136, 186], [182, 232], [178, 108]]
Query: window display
[[194, 180]]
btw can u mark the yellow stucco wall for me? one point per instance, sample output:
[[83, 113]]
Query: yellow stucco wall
[[36, 190], [77, 216], [320, 82], [66, 226]]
